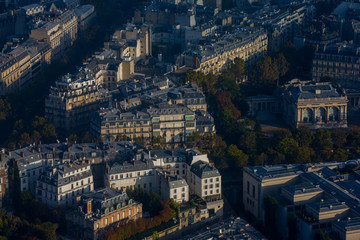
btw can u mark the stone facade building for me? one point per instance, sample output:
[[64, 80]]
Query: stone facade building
[[303, 103], [131, 42], [338, 61], [249, 44], [61, 184], [317, 105], [73, 99], [98, 210], [59, 34]]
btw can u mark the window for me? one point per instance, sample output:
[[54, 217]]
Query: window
[[174, 190], [175, 196], [253, 191], [248, 187], [183, 189]]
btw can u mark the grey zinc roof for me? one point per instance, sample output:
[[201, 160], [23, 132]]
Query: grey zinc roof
[[167, 109], [176, 183], [204, 170], [104, 194], [130, 166], [108, 151], [57, 178], [312, 91], [265, 172], [350, 224], [302, 188], [328, 205]]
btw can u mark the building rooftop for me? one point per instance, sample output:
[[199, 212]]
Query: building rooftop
[[204, 170], [301, 90], [268, 172], [232, 228], [348, 225], [302, 188], [327, 205]]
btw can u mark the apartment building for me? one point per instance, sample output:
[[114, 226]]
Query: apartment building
[[174, 113], [33, 9], [172, 186], [339, 62], [136, 173], [85, 16], [110, 70], [248, 43], [61, 184], [14, 69], [188, 96], [73, 99], [59, 33], [99, 210], [173, 122], [189, 167], [32, 161], [56, 174], [110, 123], [131, 42]]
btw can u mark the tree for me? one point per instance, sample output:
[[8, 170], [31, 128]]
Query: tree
[[320, 235], [237, 156], [289, 147], [73, 138], [339, 137], [264, 73], [248, 142], [5, 108], [238, 68], [223, 100], [304, 136], [303, 155], [140, 140], [339, 155], [174, 207], [323, 139], [155, 235], [281, 64], [48, 133], [25, 139]]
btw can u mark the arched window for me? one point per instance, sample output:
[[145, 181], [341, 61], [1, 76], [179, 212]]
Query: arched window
[[320, 114], [308, 115], [333, 114]]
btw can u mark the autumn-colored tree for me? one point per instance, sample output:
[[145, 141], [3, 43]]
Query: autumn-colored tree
[[223, 100]]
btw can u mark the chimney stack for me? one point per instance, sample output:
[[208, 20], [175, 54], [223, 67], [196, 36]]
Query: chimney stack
[[89, 206]]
